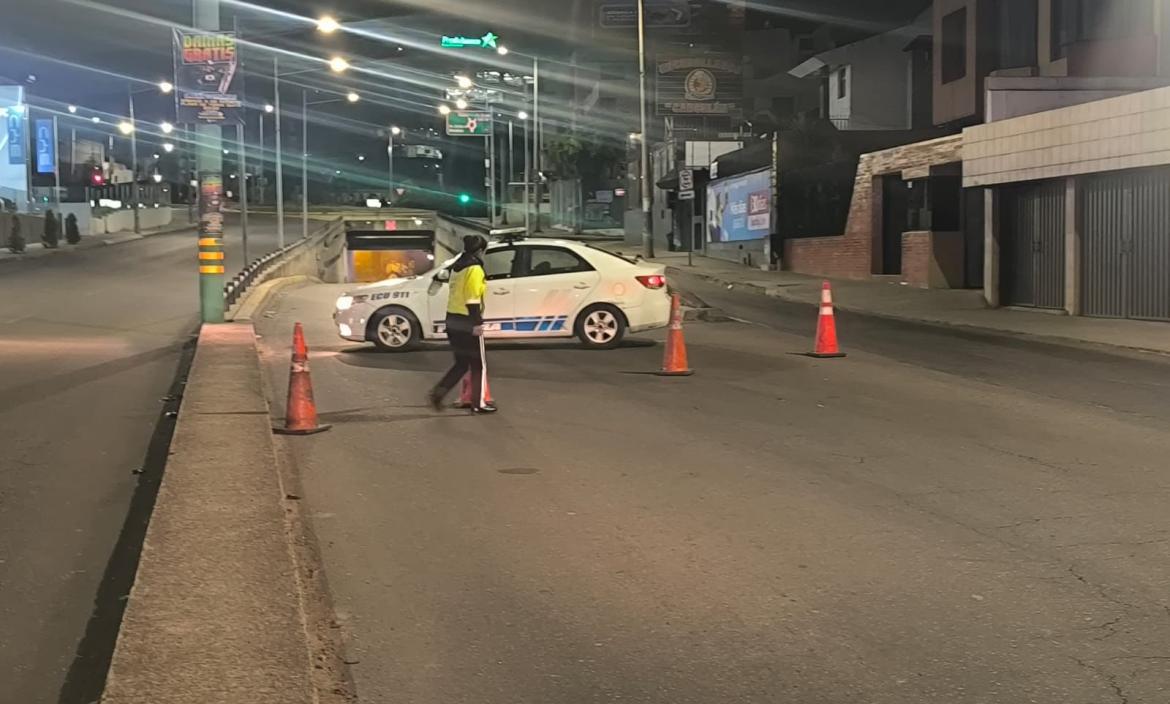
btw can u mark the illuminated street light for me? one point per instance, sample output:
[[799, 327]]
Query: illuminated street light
[[225, 151], [125, 127], [361, 157], [461, 104], [327, 25], [168, 147], [444, 110], [463, 81], [72, 108], [395, 131], [337, 64], [502, 50], [166, 86], [352, 97], [166, 128], [95, 120], [268, 107], [522, 115], [157, 178]]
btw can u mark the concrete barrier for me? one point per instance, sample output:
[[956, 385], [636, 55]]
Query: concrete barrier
[[216, 615], [320, 256]]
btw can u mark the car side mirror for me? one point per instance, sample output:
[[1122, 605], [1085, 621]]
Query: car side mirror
[[444, 275]]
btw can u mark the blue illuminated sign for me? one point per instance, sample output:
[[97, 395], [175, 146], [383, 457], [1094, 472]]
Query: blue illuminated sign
[[46, 147]]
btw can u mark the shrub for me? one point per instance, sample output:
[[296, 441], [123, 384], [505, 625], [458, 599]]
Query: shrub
[[15, 238], [52, 232], [72, 234]]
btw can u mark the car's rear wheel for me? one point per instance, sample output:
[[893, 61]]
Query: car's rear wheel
[[601, 327], [395, 329]]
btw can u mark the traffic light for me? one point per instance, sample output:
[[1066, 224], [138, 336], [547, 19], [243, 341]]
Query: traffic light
[[464, 198], [96, 178]]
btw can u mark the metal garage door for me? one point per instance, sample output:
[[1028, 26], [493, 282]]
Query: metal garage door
[[1125, 244], [1032, 244]]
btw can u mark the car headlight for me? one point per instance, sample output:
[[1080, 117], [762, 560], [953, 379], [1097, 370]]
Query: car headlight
[[346, 302]]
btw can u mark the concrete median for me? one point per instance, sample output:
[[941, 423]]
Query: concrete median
[[216, 615]]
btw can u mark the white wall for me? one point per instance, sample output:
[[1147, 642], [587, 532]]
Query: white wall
[[877, 95], [1129, 132]]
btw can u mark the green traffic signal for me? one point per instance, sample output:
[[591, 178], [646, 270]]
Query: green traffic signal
[[464, 198]]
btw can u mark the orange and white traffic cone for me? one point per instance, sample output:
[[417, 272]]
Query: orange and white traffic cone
[[300, 418], [826, 344], [674, 362], [465, 393]]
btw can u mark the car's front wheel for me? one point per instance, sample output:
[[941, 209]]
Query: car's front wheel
[[395, 330], [601, 327]]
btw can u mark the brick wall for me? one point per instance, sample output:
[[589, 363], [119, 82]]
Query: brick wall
[[851, 255], [916, 256]]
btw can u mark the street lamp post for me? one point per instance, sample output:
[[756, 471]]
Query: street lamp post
[[350, 97], [391, 134], [133, 163], [337, 65], [279, 155], [527, 174], [647, 233]]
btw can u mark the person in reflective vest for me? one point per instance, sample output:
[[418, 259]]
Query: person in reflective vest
[[465, 308]]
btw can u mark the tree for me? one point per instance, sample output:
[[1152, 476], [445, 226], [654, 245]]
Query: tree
[[588, 157], [52, 232], [15, 239], [72, 234]]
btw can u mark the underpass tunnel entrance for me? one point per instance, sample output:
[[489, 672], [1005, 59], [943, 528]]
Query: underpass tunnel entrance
[[376, 251]]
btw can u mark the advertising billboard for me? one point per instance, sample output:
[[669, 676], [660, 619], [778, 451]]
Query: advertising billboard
[[206, 78], [706, 83], [740, 208]]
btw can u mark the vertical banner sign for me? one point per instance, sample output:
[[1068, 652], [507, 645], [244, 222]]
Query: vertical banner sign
[[46, 148], [15, 136], [206, 79]]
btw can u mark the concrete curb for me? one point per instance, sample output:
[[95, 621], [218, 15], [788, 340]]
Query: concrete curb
[[216, 614], [89, 242], [779, 293]]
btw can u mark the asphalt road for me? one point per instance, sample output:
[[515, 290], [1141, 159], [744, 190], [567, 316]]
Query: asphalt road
[[90, 344], [940, 517]]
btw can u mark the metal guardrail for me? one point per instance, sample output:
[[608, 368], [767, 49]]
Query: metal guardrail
[[239, 283]]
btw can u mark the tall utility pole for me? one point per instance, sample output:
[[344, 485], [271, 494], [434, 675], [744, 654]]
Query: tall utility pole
[[279, 153], [133, 161], [647, 231], [537, 156], [209, 160]]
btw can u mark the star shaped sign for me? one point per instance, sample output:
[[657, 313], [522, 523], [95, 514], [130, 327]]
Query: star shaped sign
[[490, 40]]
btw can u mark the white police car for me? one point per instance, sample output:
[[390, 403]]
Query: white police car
[[536, 288]]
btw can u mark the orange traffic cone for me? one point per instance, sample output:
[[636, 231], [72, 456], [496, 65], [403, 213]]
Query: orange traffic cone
[[826, 345], [465, 394], [301, 415], [674, 362]]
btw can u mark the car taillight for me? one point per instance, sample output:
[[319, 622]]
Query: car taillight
[[652, 281]]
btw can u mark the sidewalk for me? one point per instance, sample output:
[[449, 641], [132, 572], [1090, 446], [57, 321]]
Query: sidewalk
[[957, 308], [34, 249]]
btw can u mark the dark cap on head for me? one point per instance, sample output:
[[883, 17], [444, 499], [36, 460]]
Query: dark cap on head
[[474, 243]]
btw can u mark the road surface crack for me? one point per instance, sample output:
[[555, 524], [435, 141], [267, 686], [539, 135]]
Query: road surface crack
[[1122, 697]]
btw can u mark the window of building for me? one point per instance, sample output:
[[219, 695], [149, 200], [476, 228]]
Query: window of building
[[954, 46], [1018, 20], [1093, 20], [842, 82]]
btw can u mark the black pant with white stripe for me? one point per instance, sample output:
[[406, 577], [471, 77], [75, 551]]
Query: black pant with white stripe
[[468, 351]]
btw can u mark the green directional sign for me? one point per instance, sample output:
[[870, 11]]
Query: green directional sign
[[491, 40], [469, 124]]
